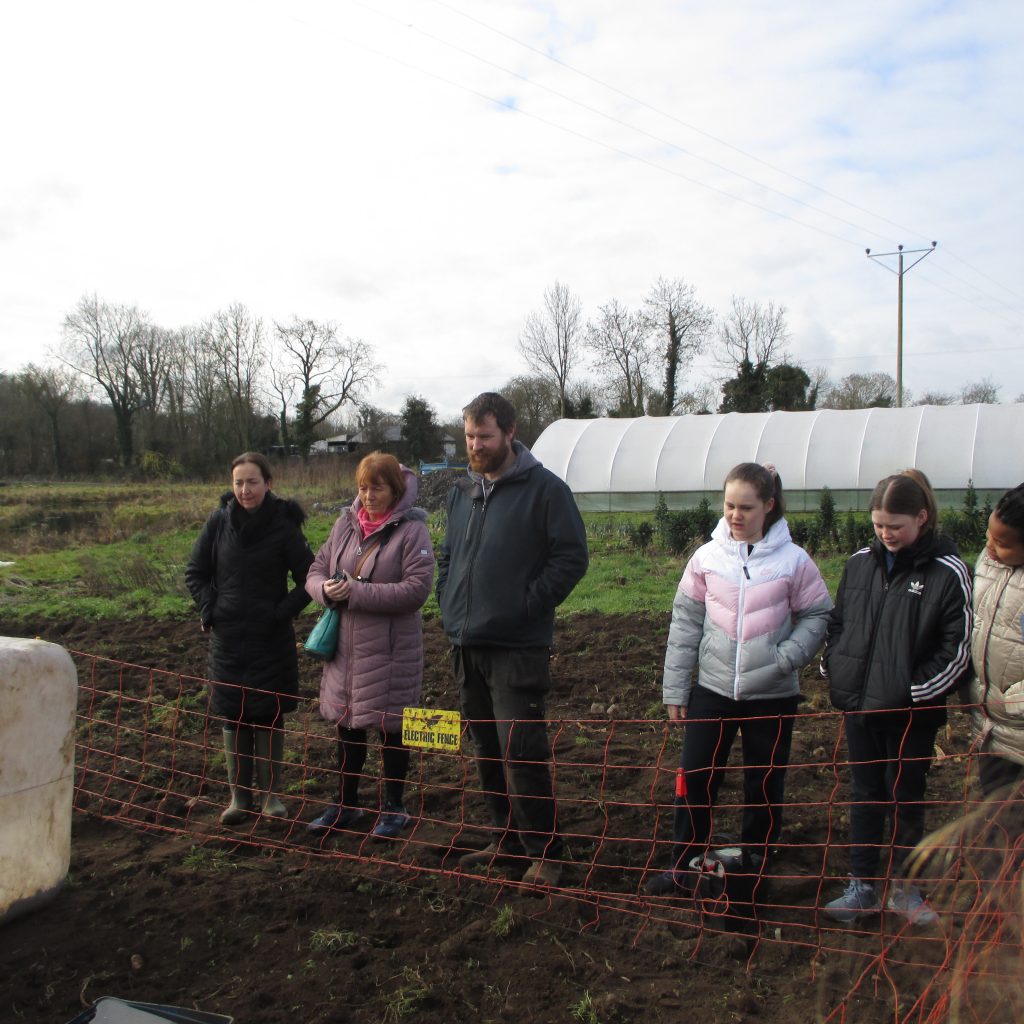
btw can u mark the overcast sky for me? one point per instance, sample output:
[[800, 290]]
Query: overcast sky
[[421, 171]]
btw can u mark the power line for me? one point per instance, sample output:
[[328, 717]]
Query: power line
[[508, 105], [673, 117], [728, 145], [511, 106], [615, 120]]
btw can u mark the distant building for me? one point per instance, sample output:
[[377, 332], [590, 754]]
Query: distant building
[[386, 439]]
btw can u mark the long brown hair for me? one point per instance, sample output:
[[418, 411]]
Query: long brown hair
[[906, 494], [767, 485], [258, 460]]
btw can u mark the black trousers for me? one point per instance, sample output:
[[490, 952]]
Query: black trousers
[[890, 755], [501, 692], [712, 721], [995, 771], [352, 760], [711, 726]]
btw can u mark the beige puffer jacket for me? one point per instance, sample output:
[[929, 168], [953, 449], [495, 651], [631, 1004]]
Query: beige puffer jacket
[[997, 646]]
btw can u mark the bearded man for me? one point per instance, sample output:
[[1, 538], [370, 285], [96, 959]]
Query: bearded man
[[514, 548]]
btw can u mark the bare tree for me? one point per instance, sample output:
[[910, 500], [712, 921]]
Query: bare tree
[[552, 338], [936, 398], [681, 325], [51, 389], [536, 403], [754, 334], [239, 343], [980, 392], [325, 371], [819, 386], [701, 401], [104, 343], [196, 402], [282, 387], [625, 361], [152, 351], [863, 391]]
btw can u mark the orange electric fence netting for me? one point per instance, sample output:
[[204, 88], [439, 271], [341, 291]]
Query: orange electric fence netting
[[150, 755]]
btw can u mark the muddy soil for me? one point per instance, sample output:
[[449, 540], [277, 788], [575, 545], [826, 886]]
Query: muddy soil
[[268, 924]]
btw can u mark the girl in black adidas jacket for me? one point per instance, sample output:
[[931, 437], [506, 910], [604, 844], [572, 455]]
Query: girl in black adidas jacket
[[898, 641]]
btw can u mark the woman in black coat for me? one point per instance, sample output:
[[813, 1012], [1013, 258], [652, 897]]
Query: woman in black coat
[[238, 577]]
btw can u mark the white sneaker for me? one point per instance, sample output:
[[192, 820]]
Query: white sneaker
[[907, 901], [859, 900]]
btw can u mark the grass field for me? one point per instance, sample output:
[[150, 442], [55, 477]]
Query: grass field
[[119, 550]]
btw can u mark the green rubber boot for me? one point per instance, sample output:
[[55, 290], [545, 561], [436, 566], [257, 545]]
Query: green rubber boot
[[238, 750], [269, 756]]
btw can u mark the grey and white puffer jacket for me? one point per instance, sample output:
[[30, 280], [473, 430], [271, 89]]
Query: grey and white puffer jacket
[[752, 618]]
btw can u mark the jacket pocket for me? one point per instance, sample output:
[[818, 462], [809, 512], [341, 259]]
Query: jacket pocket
[[1013, 700]]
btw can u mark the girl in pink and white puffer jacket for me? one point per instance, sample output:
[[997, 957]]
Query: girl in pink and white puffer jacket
[[753, 617], [750, 610]]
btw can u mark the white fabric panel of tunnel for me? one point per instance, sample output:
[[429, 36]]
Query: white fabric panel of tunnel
[[843, 450]]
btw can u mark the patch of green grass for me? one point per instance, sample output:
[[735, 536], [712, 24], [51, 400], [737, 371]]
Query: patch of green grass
[[325, 941], [186, 714], [625, 582], [408, 997], [300, 786], [584, 1010], [119, 550], [504, 923], [207, 859]]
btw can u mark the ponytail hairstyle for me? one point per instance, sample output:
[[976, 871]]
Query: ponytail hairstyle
[[906, 494], [1009, 510], [767, 485]]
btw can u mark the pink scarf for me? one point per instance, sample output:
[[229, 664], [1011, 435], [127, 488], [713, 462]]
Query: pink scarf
[[368, 525]]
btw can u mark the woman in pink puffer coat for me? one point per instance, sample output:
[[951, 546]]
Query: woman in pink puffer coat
[[377, 567]]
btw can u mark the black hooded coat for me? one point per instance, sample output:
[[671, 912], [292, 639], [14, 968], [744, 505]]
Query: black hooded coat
[[238, 577]]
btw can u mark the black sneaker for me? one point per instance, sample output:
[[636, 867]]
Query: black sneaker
[[336, 817], [668, 883]]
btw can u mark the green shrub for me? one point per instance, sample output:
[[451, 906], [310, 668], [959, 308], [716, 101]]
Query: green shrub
[[704, 521], [661, 519], [827, 518], [640, 535]]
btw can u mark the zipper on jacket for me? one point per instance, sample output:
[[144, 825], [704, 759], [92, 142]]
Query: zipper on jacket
[[474, 544], [874, 637], [739, 619], [983, 673]]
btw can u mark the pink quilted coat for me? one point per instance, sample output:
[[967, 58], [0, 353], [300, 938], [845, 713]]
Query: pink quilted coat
[[378, 669]]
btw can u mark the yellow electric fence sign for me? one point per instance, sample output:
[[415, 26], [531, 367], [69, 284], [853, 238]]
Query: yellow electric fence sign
[[431, 730]]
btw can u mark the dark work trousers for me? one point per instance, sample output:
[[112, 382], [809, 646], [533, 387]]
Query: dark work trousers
[[890, 754], [502, 696], [995, 772], [712, 721], [352, 759]]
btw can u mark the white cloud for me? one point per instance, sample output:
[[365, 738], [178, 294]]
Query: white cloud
[[344, 162]]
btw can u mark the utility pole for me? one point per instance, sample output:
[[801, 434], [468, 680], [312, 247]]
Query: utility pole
[[899, 272]]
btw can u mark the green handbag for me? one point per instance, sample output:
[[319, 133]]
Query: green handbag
[[323, 641]]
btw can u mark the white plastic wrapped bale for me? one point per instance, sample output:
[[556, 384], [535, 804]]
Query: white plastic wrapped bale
[[38, 694]]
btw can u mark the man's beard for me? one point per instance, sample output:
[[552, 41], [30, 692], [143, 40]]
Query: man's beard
[[484, 464]]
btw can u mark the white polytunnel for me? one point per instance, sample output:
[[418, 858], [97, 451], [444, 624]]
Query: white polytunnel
[[624, 464]]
